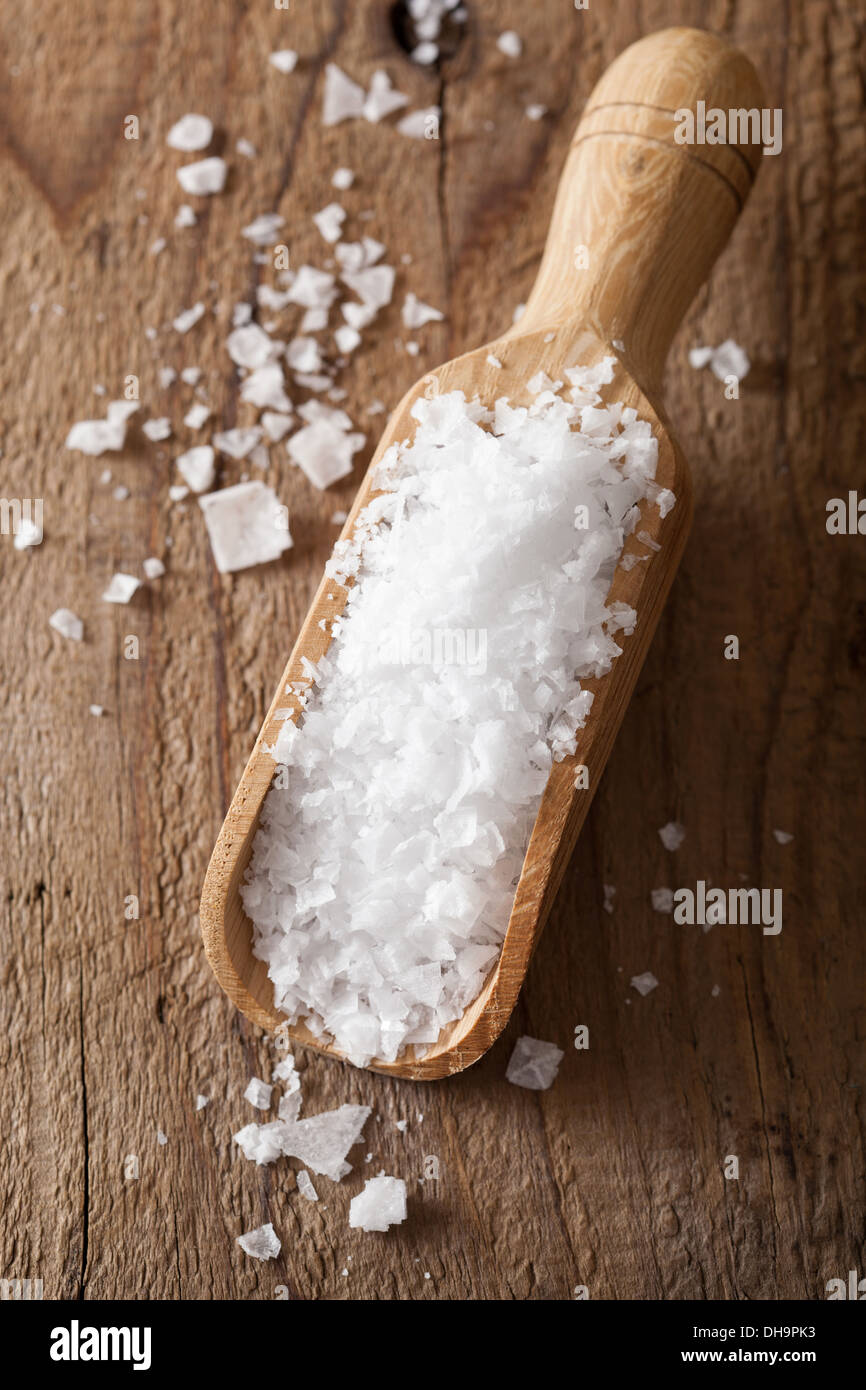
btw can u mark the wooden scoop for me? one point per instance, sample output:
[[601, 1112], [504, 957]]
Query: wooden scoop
[[638, 222]]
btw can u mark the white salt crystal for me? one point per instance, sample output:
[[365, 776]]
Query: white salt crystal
[[97, 436], [246, 148], [324, 451], [343, 98], [645, 983], [305, 1186], [264, 230], [415, 314], [258, 1093], [237, 443], [662, 899], [534, 1064], [312, 288], [323, 1141], [166, 376], [510, 43], [425, 53], [672, 835], [380, 1205], [97, 710], [374, 285], [261, 1244], [185, 217], [250, 346], [346, 338], [120, 493], [382, 98], [178, 491], [190, 133], [665, 500], [782, 837], [728, 359], [185, 320], [158, 246], [609, 894], [343, 178], [284, 60], [492, 361], [536, 112], [121, 588], [276, 425], [330, 221], [28, 534], [246, 525], [266, 386], [196, 467], [197, 415], [161, 1138], [201, 1101], [159, 428], [64, 621], [204, 177]]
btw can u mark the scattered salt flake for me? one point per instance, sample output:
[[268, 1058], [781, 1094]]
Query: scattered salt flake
[[190, 133], [258, 1093], [533, 1064], [185, 320], [197, 415], [492, 361], [324, 451], [201, 1101], [158, 246], [716, 991], [159, 428], [305, 1186], [120, 493], [665, 501], [185, 217], [261, 1244], [728, 359], [250, 346], [246, 148], [382, 98], [323, 1141], [284, 60], [97, 710], [415, 314], [510, 43], [374, 285], [672, 835], [782, 837], [330, 221], [312, 288], [178, 491], [204, 177], [196, 467], [343, 178], [27, 534], [338, 518], [343, 99], [264, 230], [64, 621], [645, 983], [276, 425], [121, 588], [237, 443], [246, 525], [166, 376], [536, 111], [347, 338], [381, 1204], [662, 899], [161, 1139], [609, 895], [95, 437]]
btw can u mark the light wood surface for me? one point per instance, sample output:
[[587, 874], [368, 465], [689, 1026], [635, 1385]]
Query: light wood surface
[[638, 223], [750, 1045]]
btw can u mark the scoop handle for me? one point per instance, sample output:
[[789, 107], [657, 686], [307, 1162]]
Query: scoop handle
[[639, 217]]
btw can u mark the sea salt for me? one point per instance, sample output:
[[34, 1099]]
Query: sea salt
[[261, 1244], [510, 44], [197, 415], [186, 320], [121, 588], [246, 525], [645, 983], [196, 467], [96, 437], [343, 178], [157, 429], [534, 1064], [190, 133], [672, 835], [383, 874], [284, 60], [343, 98], [321, 1142], [64, 621], [382, 98], [782, 837], [258, 1093], [305, 1186], [330, 221], [264, 230], [204, 177], [415, 314], [728, 359], [381, 1204], [662, 899]]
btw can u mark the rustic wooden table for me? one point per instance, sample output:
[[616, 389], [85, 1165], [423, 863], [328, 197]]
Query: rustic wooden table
[[752, 1045]]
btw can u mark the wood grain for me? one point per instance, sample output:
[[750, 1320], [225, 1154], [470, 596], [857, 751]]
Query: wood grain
[[614, 1178]]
